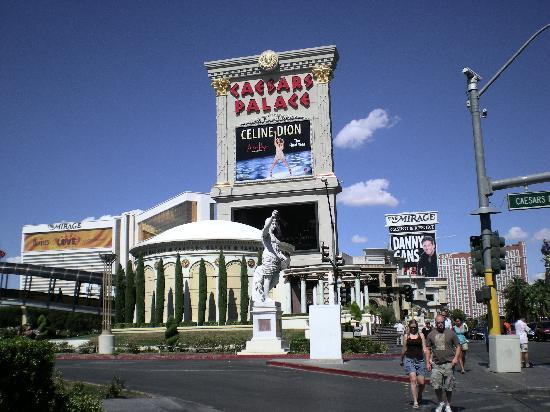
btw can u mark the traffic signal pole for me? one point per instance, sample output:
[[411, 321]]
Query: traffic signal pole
[[483, 192], [485, 186]]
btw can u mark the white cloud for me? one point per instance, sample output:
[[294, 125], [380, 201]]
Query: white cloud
[[14, 259], [359, 239], [88, 219], [370, 193], [356, 132], [542, 234], [516, 233]]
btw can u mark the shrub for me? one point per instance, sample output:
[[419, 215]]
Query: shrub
[[115, 388], [171, 333], [299, 345], [387, 315], [87, 347], [77, 400], [362, 346], [26, 380], [63, 347], [356, 312], [44, 328]]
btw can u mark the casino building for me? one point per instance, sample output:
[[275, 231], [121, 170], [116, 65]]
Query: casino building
[[274, 151], [77, 245]]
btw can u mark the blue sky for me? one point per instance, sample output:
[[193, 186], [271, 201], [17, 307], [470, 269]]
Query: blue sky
[[107, 107]]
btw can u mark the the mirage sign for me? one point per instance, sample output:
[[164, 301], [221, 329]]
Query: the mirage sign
[[412, 238]]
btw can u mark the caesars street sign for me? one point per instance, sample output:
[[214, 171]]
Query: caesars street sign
[[528, 200]]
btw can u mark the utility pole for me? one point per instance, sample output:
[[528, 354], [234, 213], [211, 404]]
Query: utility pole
[[485, 188]]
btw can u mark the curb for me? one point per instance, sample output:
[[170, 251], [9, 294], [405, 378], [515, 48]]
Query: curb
[[195, 356], [332, 371]]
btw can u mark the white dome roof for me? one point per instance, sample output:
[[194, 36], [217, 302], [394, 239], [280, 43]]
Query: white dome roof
[[206, 230]]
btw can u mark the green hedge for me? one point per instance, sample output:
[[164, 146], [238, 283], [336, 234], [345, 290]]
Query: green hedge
[[26, 381], [301, 345], [362, 346]]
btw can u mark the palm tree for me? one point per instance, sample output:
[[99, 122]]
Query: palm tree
[[540, 298], [516, 294]]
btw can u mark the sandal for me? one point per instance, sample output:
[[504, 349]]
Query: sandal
[[415, 405]]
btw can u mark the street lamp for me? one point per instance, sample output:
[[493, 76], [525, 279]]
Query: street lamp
[[106, 339]]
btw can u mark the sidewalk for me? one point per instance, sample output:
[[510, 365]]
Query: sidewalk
[[477, 379]]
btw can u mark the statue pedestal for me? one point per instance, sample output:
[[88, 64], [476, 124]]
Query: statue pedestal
[[267, 331]]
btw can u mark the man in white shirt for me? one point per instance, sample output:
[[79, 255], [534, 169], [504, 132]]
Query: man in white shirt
[[400, 330], [521, 331]]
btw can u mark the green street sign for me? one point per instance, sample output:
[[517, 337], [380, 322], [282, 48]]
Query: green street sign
[[528, 200]]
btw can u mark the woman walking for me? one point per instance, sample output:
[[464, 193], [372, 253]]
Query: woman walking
[[460, 330], [412, 357]]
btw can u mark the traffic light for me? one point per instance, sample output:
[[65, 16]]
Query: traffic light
[[483, 295], [408, 292], [498, 254], [324, 253], [340, 260], [476, 253]]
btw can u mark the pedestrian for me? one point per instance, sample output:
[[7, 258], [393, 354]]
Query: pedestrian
[[507, 328], [427, 329], [521, 331], [443, 354], [460, 329], [412, 357], [448, 322], [400, 330]]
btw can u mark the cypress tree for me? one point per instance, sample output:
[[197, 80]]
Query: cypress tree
[[202, 292], [160, 292], [140, 292], [179, 291], [130, 295], [222, 288], [244, 291], [119, 297]]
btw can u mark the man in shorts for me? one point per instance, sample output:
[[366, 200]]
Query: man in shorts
[[443, 355], [521, 330]]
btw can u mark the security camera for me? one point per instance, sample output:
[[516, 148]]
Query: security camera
[[470, 73], [484, 113], [324, 179]]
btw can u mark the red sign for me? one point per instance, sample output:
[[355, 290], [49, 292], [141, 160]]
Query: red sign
[[293, 94]]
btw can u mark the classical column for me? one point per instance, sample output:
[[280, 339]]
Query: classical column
[[353, 296], [221, 86], [323, 138], [320, 290], [288, 289], [366, 293], [358, 291], [303, 307]]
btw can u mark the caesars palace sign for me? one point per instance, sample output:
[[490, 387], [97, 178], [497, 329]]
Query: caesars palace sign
[[264, 96]]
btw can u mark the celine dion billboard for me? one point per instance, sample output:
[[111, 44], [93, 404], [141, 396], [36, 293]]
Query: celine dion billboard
[[273, 151]]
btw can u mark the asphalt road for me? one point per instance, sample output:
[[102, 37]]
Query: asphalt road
[[247, 385], [250, 385]]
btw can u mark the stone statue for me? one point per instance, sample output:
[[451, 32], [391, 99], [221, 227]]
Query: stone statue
[[266, 276]]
